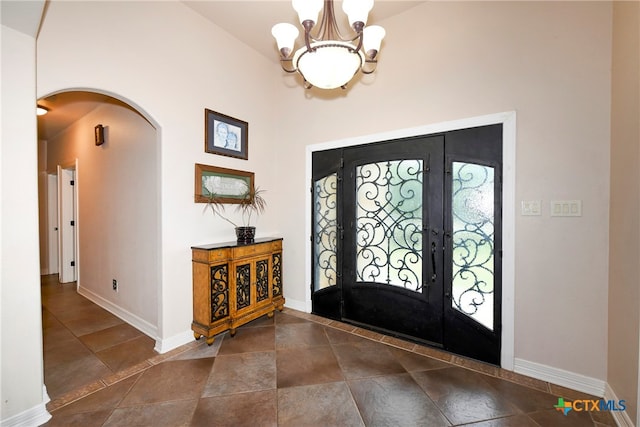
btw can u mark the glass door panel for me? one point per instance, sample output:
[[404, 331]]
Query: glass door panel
[[325, 223], [473, 241], [389, 223]]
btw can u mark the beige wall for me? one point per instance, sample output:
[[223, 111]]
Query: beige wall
[[42, 208], [624, 249], [118, 203]]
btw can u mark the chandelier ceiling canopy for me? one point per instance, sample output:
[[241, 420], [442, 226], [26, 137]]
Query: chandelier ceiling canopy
[[328, 60]]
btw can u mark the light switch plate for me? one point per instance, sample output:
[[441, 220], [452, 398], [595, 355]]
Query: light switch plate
[[566, 208], [531, 208]]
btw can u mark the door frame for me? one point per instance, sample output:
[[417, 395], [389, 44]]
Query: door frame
[[61, 168], [508, 121]]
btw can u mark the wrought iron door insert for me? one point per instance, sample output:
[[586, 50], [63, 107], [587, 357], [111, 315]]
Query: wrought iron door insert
[[406, 238]]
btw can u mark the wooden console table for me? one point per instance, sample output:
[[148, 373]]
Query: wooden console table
[[234, 284]]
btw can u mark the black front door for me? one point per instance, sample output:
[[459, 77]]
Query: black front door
[[406, 238]]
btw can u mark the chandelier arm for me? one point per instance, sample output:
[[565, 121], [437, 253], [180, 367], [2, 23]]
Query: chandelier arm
[[288, 70], [328, 27], [308, 25], [358, 26], [372, 70]]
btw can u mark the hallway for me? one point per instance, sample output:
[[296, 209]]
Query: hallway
[[294, 369], [83, 342]]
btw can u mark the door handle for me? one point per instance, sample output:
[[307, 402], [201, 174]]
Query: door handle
[[434, 275]]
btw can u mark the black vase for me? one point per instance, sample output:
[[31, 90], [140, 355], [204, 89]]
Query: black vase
[[245, 234]]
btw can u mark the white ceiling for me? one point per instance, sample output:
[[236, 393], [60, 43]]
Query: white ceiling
[[249, 21], [23, 16]]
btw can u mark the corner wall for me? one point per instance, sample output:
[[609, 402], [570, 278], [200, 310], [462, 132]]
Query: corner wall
[[624, 225], [22, 396]]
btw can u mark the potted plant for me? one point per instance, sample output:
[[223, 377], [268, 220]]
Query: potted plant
[[250, 205]]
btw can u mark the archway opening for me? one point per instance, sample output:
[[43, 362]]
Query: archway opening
[[117, 233]]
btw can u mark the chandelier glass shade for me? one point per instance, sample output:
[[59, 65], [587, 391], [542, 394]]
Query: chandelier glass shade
[[328, 60]]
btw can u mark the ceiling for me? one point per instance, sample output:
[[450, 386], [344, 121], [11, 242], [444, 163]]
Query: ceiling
[[253, 29]]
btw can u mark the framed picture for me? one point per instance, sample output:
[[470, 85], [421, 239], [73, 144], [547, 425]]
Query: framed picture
[[226, 185], [225, 135]]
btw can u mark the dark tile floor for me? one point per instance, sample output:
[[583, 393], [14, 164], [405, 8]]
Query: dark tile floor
[[291, 370]]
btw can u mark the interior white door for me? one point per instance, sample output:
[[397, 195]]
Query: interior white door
[[52, 224], [67, 226]]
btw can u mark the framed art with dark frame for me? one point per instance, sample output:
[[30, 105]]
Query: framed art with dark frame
[[226, 185], [225, 135]]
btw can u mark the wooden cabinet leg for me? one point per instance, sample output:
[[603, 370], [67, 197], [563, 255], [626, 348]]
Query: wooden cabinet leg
[[210, 340], [232, 332], [270, 314], [197, 335]]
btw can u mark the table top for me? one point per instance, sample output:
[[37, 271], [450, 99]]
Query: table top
[[234, 243]]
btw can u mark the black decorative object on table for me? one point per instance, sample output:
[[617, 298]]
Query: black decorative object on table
[[245, 234]]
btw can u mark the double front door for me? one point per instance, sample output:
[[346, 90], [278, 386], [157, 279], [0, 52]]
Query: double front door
[[407, 238]]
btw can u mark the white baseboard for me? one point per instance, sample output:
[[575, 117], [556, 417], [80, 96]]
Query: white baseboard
[[135, 321], [620, 417], [45, 396], [296, 305], [165, 345], [33, 417], [560, 377]]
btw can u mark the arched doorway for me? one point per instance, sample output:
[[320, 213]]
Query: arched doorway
[[116, 203]]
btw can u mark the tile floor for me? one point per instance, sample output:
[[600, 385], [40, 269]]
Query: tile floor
[[294, 369]]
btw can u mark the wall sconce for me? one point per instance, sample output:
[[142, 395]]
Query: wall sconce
[[99, 134]]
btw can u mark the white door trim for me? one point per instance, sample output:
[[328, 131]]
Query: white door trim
[[67, 242]]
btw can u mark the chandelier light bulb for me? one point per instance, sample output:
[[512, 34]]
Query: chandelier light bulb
[[308, 10], [372, 39], [285, 35], [357, 10]]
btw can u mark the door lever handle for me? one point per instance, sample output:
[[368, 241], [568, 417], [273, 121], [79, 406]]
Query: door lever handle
[[434, 276]]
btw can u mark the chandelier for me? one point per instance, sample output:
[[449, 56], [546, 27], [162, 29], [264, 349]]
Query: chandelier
[[328, 60]]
